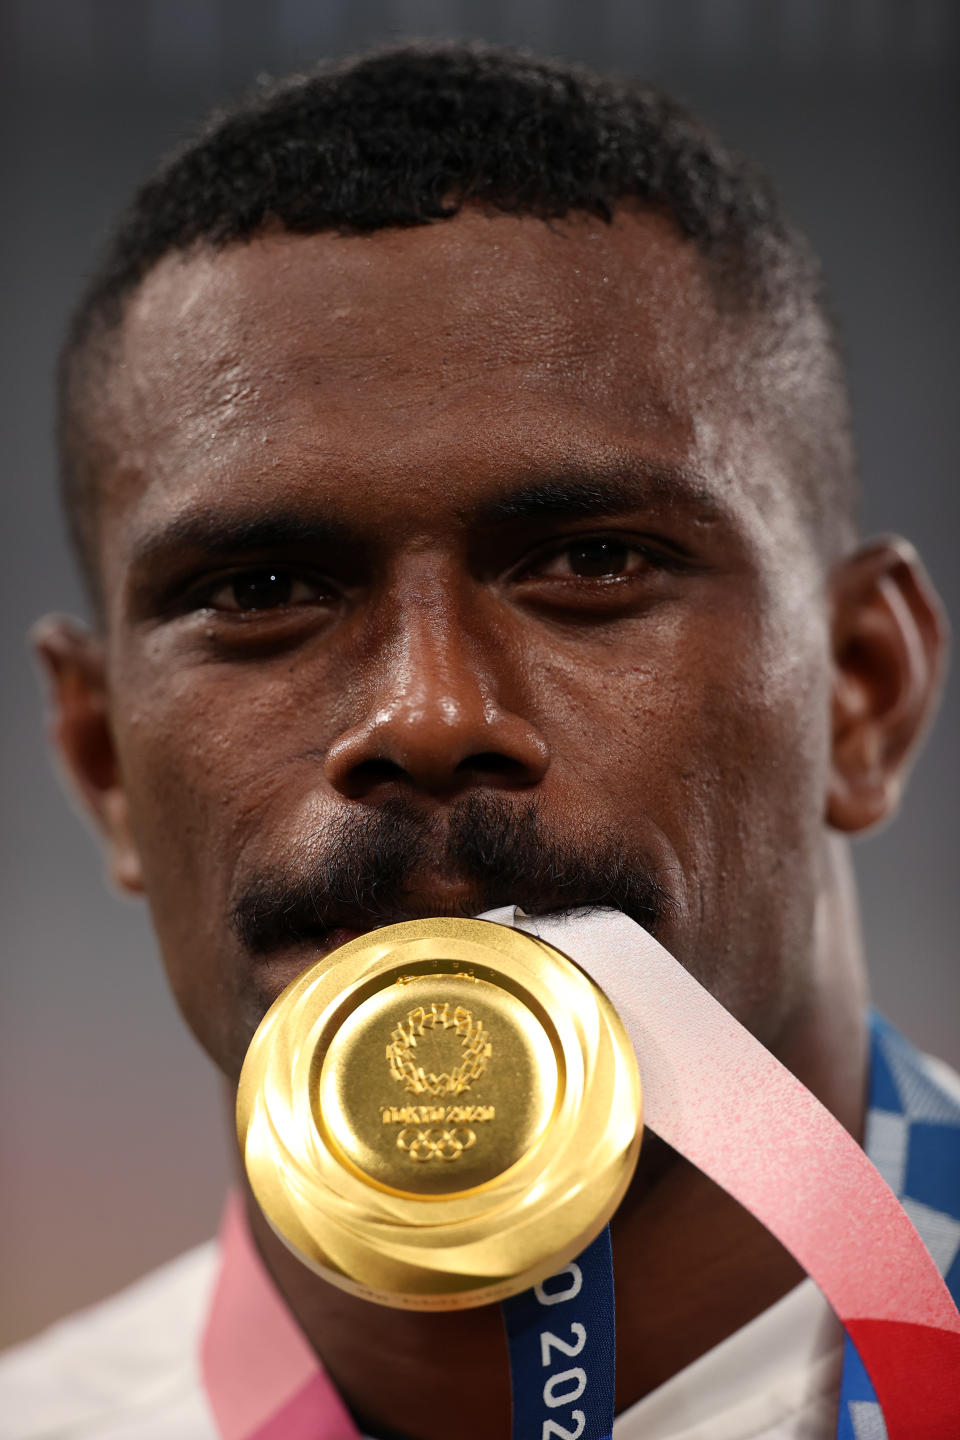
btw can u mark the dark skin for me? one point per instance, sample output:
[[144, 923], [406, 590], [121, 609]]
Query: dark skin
[[524, 537]]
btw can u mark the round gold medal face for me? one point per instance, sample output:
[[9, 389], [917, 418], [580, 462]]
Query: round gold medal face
[[437, 1084], [440, 1113]]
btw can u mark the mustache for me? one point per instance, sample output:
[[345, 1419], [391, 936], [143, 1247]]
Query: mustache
[[364, 872]]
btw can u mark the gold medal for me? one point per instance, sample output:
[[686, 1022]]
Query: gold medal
[[440, 1113]]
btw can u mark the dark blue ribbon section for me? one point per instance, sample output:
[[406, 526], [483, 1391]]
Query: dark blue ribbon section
[[563, 1351]]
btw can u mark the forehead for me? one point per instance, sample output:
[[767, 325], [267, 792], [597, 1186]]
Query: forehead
[[447, 358]]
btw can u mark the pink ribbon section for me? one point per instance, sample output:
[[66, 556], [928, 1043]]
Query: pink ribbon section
[[262, 1379], [714, 1093]]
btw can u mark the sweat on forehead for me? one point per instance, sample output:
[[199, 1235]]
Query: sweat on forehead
[[407, 138]]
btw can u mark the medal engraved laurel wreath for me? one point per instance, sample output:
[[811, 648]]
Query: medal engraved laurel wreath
[[447, 1134]]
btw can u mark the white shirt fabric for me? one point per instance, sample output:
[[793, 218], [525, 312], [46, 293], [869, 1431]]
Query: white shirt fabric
[[128, 1369]]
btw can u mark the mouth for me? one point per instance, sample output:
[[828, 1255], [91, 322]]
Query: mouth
[[315, 938], [285, 921]]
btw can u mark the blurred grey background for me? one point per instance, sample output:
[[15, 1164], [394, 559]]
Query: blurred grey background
[[113, 1144]]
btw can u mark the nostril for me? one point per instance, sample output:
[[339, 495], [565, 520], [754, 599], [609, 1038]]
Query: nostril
[[375, 772], [483, 767], [435, 756], [492, 763]]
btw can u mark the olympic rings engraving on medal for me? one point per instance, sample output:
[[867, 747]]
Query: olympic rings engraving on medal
[[475, 1049], [435, 1144]]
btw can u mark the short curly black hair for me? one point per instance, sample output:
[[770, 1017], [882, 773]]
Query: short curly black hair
[[406, 136]]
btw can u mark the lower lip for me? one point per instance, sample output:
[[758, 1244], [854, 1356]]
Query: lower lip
[[336, 938], [283, 968]]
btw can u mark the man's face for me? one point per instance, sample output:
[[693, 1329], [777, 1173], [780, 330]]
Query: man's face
[[469, 520]]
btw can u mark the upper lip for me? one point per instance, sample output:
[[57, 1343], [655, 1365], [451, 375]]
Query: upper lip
[[361, 922], [446, 900], [457, 901], [442, 899]]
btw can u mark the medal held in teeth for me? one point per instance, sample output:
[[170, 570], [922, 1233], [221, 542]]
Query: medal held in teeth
[[440, 1113]]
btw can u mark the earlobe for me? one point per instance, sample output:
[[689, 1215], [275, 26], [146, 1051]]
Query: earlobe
[[73, 660], [889, 645]]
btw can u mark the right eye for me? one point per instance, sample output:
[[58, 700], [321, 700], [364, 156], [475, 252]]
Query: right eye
[[255, 591]]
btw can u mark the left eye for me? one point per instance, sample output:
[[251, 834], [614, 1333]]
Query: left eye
[[258, 590], [591, 560]]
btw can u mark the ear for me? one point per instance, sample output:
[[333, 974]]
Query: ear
[[73, 659], [889, 646]]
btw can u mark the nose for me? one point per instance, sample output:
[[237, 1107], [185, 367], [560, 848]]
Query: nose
[[437, 721]]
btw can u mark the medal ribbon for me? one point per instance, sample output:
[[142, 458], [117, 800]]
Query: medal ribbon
[[716, 1095], [563, 1350]]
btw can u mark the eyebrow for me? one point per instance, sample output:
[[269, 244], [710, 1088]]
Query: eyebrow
[[217, 532], [605, 490]]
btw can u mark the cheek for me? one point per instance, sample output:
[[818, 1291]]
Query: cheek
[[720, 711], [715, 752], [753, 789], [203, 759]]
